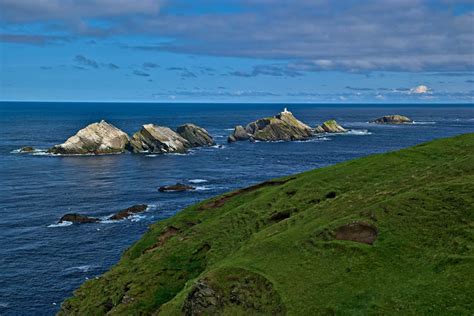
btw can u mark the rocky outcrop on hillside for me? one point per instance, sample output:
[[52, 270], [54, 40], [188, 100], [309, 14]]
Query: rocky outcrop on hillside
[[195, 135], [392, 119], [283, 126], [96, 138], [158, 139], [330, 126]]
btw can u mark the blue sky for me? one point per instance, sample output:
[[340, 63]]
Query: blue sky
[[237, 51]]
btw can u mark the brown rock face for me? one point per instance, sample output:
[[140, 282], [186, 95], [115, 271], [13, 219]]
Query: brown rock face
[[169, 232], [178, 187], [358, 232], [78, 219], [129, 211]]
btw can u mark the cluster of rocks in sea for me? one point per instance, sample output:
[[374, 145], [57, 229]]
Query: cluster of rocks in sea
[[285, 127], [104, 138], [77, 218]]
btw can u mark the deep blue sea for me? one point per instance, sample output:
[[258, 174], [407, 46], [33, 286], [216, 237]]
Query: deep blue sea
[[42, 263]]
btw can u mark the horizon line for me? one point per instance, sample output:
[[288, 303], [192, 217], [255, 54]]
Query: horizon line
[[471, 103]]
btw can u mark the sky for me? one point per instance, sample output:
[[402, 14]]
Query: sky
[[300, 51]]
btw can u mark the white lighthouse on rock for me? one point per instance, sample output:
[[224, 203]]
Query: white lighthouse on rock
[[285, 110]]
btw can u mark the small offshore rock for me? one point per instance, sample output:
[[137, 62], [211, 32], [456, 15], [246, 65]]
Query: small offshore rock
[[178, 187], [26, 149], [129, 211], [158, 139], [195, 135], [96, 138], [330, 126], [392, 119], [78, 219]]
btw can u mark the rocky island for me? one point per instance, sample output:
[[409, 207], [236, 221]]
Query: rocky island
[[158, 139], [392, 119], [283, 126], [104, 138], [96, 138]]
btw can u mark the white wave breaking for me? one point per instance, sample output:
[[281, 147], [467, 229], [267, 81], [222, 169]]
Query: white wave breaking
[[423, 123], [62, 224], [198, 181], [358, 132], [83, 268], [203, 188]]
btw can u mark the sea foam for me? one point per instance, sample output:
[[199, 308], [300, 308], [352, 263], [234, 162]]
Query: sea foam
[[62, 224], [198, 181]]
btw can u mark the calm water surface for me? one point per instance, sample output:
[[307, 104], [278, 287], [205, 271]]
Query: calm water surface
[[42, 263]]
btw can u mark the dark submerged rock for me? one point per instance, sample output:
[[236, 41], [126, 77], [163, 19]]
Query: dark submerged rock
[[78, 219], [178, 187], [27, 149], [129, 211]]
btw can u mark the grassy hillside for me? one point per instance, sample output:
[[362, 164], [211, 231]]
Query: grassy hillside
[[387, 234]]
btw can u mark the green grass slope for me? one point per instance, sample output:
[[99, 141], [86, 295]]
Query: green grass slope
[[386, 234]]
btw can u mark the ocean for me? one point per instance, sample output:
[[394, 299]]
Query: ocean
[[41, 262]]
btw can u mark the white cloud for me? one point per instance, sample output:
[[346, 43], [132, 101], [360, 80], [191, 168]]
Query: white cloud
[[421, 89]]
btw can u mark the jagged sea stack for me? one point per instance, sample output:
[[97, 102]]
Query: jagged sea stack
[[239, 134], [195, 135], [158, 139], [283, 126], [96, 138], [330, 126]]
